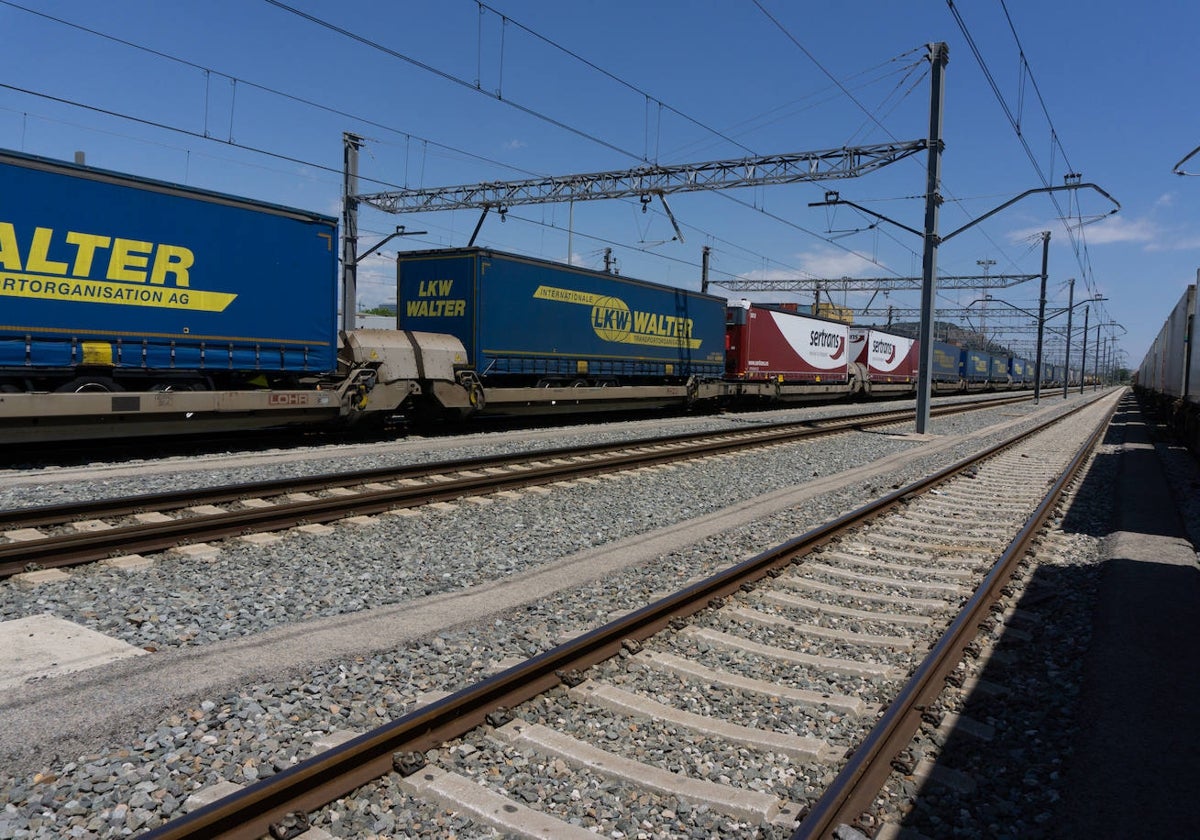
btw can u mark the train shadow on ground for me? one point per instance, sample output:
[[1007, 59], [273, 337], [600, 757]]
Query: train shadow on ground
[[1082, 721]]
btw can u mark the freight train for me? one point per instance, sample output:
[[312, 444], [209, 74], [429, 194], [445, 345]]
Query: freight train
[[1168, 379], [134, 306]]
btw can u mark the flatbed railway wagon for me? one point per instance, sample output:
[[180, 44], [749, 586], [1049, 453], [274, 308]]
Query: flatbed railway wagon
[[778, 355], [131, 304], [544, 337]]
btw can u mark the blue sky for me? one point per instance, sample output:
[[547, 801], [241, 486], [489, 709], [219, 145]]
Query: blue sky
[[251, 97]]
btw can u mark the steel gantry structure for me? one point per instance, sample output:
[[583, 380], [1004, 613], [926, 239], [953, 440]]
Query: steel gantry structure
[[874, 284], [646, 181], [642, 182]]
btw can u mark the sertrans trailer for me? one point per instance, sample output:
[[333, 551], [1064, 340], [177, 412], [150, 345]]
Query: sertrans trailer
[[542, 336], [130, 303], [889, 361], [775, 354]]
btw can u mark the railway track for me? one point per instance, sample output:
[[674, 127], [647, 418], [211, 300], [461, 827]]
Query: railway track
[[65, 535], [778, 690]]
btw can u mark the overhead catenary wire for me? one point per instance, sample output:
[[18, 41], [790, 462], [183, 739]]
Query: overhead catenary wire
[[274, 91], [407, 135], [871, 116], [614, 77], [507, 100], [450, 77], [1078, 242], [463, 82], [329, 109], [408, 138]]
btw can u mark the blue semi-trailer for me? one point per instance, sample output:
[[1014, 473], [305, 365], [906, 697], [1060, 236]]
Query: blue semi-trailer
[[975, 366], [110, 276], [999, 369], [530, 322], [129, 305], [946, 368]]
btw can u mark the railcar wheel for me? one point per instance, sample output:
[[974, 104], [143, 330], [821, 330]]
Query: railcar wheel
[[89, 385], [175, 387]]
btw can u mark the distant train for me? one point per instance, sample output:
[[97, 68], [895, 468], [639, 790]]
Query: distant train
[[1169, 376], [135, 306]]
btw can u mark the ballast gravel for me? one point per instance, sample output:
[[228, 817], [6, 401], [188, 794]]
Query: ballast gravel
[[46, 485], [113, 789]]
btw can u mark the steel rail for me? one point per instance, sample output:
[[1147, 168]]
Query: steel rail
[[85, 547], [291, 794], [32, 517], [859, 782]]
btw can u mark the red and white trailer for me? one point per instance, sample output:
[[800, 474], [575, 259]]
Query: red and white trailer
[[783, 355], [888, 362]]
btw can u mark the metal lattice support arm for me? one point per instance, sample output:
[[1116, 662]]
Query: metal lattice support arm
[[872, 284], [849, 162]]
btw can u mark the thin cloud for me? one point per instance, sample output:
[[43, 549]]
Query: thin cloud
[[834, 264], [1107, 231], [1120, 229], [1172, 241], [817, 264]]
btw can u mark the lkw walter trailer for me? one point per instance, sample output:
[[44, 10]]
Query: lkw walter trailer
[[119, 281], [128, 304], [544, 336]]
